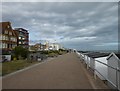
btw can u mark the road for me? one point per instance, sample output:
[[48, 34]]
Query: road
[[62, 72]]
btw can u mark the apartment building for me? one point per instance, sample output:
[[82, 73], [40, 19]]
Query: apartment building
[[8, 38], [22, 37]]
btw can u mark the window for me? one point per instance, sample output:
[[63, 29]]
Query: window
[[20, 42], [8, 26], [20, 33], [4, 45], [15, 39], [12, 39], [23, 38], [20, 37], [6, 37], [10, 33], [3, 37], [6, 31]]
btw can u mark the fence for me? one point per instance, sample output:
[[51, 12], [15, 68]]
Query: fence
[[107, 72]]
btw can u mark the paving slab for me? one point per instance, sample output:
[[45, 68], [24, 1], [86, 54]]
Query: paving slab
[[62, 72]]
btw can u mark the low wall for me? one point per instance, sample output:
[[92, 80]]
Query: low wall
[[6, 58]]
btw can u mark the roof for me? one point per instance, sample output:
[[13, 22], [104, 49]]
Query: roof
[[3, 27], [97, 54], [23, 30], [117, 55], [102, 59]]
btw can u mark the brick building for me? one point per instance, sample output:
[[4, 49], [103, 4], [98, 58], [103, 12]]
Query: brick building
[[8, 38]]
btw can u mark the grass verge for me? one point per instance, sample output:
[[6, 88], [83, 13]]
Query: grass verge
[[9, 67]]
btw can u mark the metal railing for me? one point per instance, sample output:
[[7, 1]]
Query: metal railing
[[116, 70]]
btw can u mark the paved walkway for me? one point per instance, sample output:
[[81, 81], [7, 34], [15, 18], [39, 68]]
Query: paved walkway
[[63, 72]]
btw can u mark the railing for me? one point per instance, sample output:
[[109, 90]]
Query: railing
[[91, 63]]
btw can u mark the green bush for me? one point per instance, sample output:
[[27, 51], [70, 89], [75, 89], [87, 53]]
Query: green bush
[[52, 55], [20, 52]]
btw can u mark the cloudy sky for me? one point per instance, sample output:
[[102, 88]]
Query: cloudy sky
[[79, 25]]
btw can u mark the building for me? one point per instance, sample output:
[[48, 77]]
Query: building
[[22, 37], [37, 47], [8, 38], [46, 45], [43, 47], [113, 73], [40, 47], [54, 46]]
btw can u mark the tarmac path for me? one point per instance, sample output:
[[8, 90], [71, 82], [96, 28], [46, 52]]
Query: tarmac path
[[62, 72]]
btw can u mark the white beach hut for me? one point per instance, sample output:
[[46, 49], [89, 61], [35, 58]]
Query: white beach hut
[[114, 74]]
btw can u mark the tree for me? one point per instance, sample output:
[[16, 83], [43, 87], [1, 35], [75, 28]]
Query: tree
[[19, 52]]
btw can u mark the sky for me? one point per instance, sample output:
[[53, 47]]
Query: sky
[[77, 25]]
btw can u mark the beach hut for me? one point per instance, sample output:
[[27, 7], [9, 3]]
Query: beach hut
[[114, 70]]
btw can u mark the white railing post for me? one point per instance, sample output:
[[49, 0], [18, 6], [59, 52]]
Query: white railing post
[[84, 58], [87, 63], [94, 68]]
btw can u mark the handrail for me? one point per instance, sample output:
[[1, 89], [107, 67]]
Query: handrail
[[116, 69], [108, 65]]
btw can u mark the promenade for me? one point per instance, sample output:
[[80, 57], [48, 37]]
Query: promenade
[[63, 72]]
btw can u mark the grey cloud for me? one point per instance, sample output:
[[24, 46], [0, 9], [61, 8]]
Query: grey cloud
[[72, 21]]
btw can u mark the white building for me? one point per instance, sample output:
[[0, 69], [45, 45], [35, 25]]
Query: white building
[[54, 46], [113, 74]]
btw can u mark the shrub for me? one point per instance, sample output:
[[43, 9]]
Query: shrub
[[20, 52]]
